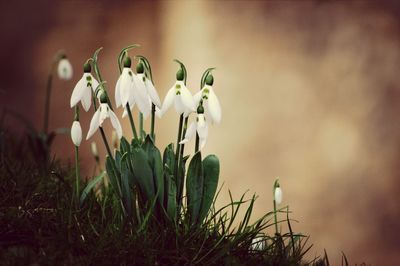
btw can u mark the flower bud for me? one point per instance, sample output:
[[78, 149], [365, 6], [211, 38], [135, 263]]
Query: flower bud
[[76, 133], [95, 153], [278, 195], [64, 68], [210, 80], [180, 75], [258, 243], [139, 68], [127, 62], [87, 68], [200, 109], [103, 97]]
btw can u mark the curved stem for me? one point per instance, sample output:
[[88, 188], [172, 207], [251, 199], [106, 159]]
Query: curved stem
[[178, 146], [275, 219]]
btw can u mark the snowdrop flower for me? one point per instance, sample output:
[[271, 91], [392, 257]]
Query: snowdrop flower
[[180, 96], [76, 133], [210, 100], [148, 85], [200, 126], [64, 68], [130, 89], [278, 194], [95, 153], [100, 115], [83, 89], [258, 243]]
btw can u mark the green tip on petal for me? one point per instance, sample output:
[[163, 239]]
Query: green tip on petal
[[127, 62], [103, 97], [210, 80], [87, 68], [180, 75], [139, 68]]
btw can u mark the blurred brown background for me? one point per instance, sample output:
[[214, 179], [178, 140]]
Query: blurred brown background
[[310, 93]]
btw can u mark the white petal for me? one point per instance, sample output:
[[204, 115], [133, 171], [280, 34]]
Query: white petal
[[94, 82], [258, 243], [189, 133], [103, 112], [125, 85], [125, 113], [197, 97], [86, 99], [187, 99], [214, 107], [118, 92], [76, 133], [94, 124], [278, 195], [179, 106], [202, 127], [168, 100], [141, 96], [64, 69], [151, 90], [158, 112], [78, 91], [93, 147], [202, 143], [115, 123]]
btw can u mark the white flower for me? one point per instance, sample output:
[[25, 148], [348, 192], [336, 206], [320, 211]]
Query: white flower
[[83, 91], [151, 90], [278, 195], [64, 69], [99, 116], [76, 133], [93, 147], [258, 243], [130, 89], [202, 130], [181, 97], [211, 103]]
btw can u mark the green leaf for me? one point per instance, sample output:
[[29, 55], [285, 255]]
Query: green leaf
[[194, 187], [143, 173], [124, 145], [169, 157], [90, 186], [171, 196], [126, 181], [113, 173], [156, 165], [211, 175]]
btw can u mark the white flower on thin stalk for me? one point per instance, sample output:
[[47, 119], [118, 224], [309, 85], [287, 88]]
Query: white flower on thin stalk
[[278, 195], [148, 85], [64, 68], [76, 133], [200, 126], [210, 100], [83, 89], [180, 96], [103, 112], [130, 89]]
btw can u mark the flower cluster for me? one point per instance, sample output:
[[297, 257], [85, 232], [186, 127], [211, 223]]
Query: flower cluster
[[138, 89]]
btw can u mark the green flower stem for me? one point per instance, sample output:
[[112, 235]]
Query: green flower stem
[[153, 112], [276, 219], [178, 146], [196, 147], [106, 142], [141, 125], [128, 109], [77, 172]]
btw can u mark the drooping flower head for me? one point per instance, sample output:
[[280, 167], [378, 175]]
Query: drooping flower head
[[148, 85], [210, 100], [64, 68], [104, 111], [131, 90], [200, 126], [83, 89], [76, 133], [180, 96]]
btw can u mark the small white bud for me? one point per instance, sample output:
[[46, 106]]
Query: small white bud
[[93, 147], [278, 195], [64, 69], [258, 243], [76, 133]]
